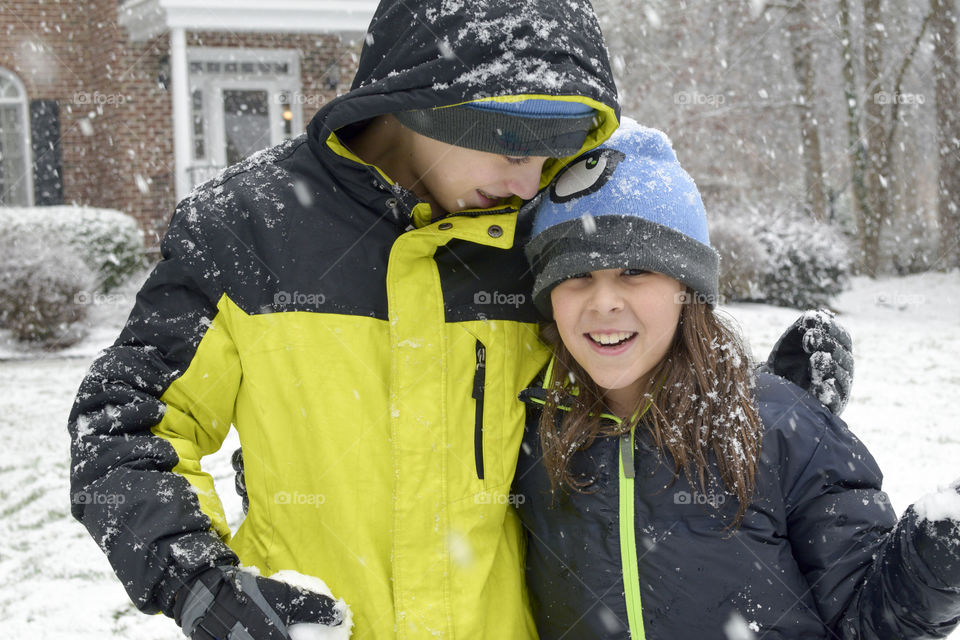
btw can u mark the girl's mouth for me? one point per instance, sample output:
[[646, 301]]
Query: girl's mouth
[[611, 343]]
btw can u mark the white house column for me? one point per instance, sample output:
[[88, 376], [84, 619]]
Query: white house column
[[179, 80]]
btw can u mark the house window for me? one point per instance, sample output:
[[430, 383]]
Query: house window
[[16, 184], [241, 102]]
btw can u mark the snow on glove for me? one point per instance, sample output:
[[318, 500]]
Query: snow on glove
[[228, 603], [816, 353]]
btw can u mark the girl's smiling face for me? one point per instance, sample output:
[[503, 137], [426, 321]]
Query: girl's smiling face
[[618, 324]]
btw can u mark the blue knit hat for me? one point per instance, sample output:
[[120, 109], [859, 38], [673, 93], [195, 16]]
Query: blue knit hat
[[531, 127], [627, 204]]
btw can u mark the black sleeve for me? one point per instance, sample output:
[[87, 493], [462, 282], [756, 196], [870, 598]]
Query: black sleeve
[[871, 575], [144, 416]]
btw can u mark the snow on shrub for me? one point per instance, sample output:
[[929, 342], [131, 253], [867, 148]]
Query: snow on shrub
[[42, 288], [109, 242], [787, 260], [743, 260]]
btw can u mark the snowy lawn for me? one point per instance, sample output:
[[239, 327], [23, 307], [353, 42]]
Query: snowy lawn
[[57, 584]]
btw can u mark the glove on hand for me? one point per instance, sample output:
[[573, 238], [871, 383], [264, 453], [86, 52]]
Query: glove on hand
[[226, 603], [816, 353]]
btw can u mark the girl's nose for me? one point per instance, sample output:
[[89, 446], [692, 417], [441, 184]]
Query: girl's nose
[[606, 296]]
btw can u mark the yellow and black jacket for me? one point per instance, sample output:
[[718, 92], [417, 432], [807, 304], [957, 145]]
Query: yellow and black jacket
[[368, 356]]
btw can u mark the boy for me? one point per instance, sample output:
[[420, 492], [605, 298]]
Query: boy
[[319, 298]]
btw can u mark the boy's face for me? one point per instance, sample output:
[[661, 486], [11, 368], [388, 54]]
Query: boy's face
[[454, 178]]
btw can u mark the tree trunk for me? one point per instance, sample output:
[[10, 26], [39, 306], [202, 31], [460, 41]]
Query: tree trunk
[[855, 147], [945, 71], [875, 136], [801, 49]]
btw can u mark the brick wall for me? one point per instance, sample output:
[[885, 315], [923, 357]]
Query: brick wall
[[116, 119]]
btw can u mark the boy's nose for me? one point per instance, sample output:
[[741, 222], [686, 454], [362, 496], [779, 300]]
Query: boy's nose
[[524, 180]]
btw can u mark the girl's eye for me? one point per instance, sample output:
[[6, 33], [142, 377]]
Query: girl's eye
[[635, 272], [579, 276], [521, 160]]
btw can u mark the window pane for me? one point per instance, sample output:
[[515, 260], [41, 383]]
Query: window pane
[[246, 123], [13, 158], [199, 143], [8, 89]]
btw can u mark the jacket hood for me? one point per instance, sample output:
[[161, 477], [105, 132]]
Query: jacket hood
[[445, 52]]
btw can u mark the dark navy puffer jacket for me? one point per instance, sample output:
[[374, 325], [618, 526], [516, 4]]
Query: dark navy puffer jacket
[[820, 553]]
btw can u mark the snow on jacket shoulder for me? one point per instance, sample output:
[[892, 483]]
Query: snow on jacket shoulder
[[820, 553], [314, 305]]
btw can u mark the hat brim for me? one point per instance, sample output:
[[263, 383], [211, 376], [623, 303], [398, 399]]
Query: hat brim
[[499, 132], [619, 242]]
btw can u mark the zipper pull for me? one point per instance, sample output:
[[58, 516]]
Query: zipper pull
[[479, 376], [626, 455]]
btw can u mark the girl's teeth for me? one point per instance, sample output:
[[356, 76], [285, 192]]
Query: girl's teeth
[[610, 338]]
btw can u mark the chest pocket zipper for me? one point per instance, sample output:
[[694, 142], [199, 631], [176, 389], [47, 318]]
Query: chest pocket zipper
[[479, 382]]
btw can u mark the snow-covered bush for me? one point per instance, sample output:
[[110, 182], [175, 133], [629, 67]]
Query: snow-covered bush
[[789, 260], [911, 244], [43, 291], [109, 242], [743, 260]]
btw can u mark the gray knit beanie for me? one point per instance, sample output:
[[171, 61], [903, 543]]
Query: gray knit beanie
[[627, 204], [531, 127]]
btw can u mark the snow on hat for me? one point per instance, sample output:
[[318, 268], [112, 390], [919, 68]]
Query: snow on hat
[[531, 127], [626, 204]]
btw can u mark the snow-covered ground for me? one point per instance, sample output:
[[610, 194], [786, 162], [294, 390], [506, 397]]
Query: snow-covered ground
[[57, 584]]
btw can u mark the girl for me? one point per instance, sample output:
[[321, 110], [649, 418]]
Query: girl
[[670, 493]]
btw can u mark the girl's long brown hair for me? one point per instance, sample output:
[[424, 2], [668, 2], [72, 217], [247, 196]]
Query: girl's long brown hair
[[701, 401]]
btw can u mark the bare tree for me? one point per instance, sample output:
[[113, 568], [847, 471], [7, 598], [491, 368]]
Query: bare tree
[[948, 129], [882, 113], [856, 149], [799, 34]]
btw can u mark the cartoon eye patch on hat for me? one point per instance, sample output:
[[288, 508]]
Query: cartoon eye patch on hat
[[588, 174]]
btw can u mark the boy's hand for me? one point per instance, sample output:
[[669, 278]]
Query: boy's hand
[[816, 353], [226, 603]]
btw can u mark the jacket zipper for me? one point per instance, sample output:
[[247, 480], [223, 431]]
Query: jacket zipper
[[479, 382], [628, 538]]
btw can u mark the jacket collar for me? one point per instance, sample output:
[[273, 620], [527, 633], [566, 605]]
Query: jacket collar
[[536, 394]]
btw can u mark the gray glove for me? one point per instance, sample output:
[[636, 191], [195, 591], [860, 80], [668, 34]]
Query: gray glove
[[816, 353], [226, 603]]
